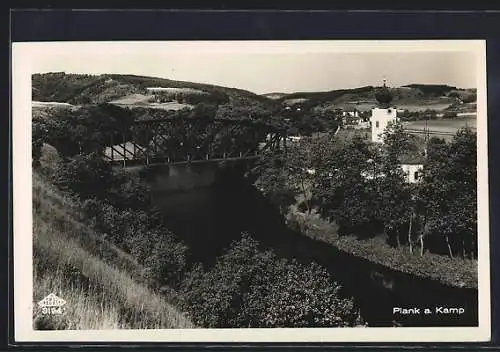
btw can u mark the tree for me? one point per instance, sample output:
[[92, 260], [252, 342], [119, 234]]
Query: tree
[[274, 179], [299, 161], [130, 191], [344, 187], [250, 287], [88, 129], [395, 206], [463, 165], [449, 191], [166, 259], [85, 175]]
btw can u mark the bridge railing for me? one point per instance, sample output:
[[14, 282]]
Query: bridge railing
[[193, 140]]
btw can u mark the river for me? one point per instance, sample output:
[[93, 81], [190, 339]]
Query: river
[[209, 218]]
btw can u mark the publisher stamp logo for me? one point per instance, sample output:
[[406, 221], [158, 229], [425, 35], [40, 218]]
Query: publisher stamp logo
[[52, 305]]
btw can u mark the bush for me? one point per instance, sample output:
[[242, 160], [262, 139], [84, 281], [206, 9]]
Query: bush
[[141, 234], [86, 175], [130, 191], [163, 256], [249, 287], [302, 207]]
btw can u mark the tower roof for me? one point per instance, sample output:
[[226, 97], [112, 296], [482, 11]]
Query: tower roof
[[383, 96]]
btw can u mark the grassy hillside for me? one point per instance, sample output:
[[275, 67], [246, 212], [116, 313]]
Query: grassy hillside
[[103, 285]]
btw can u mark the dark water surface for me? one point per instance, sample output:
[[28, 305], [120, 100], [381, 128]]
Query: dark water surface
[[208, 219]]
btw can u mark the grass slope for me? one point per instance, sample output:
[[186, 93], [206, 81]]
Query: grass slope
[[102, 285]]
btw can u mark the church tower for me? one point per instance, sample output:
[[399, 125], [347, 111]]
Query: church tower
[[383, 115]]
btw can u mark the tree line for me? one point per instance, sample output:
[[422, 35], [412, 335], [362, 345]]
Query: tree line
[[362, 187]]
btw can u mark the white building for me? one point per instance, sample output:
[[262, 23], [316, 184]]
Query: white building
[[381, 118], [413, 171], [383, 115], [354, 113]]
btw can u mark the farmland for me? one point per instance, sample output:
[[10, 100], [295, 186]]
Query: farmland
[[443, 125], [134, 100]]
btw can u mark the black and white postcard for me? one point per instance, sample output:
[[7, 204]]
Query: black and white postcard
[[251, 191]]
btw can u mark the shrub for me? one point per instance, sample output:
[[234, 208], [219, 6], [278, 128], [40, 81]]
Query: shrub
[[249, 287], [302, 207], [141, 234], [163, 256], [86, 175], [130, 192]]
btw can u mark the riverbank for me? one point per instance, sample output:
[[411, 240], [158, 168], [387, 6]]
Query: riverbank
[[461, 273]]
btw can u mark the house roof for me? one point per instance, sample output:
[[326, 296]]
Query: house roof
[[415, 154], [412, 158]]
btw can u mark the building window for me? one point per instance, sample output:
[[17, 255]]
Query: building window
[[389, 111], [416, 175], [376, 124]]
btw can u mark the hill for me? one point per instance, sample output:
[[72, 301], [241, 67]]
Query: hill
[[93, 89], [102, 285], [413, 97]]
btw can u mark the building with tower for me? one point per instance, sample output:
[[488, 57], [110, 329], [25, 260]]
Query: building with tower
[[382, 115]]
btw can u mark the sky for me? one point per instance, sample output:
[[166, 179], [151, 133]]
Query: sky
[[266, 68]]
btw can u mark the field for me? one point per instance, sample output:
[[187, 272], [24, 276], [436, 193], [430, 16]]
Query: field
[[368, 105], [177, 90], [42, 104], [444, 125], [132, 99], [422, 107]]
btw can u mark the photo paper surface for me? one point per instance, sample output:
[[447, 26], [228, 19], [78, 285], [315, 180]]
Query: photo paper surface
[[267, 191]]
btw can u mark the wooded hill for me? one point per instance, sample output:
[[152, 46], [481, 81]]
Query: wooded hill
[[91, 89]]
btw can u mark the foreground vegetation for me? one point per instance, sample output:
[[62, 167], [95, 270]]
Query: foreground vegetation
[[103, 286]]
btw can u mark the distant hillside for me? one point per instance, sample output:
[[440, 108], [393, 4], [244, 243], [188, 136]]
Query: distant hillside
[[92, 89], [432, 90], [412, 97], [330, 95]]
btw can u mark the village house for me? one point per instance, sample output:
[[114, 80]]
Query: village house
[[351, 117], [412, 163]]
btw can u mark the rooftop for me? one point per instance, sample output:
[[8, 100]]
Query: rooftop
[[415, 154]]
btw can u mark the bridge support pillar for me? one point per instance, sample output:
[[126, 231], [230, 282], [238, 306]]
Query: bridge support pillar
[[183, 177]]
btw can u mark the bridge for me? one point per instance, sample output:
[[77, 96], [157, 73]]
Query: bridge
[[193, 140]]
